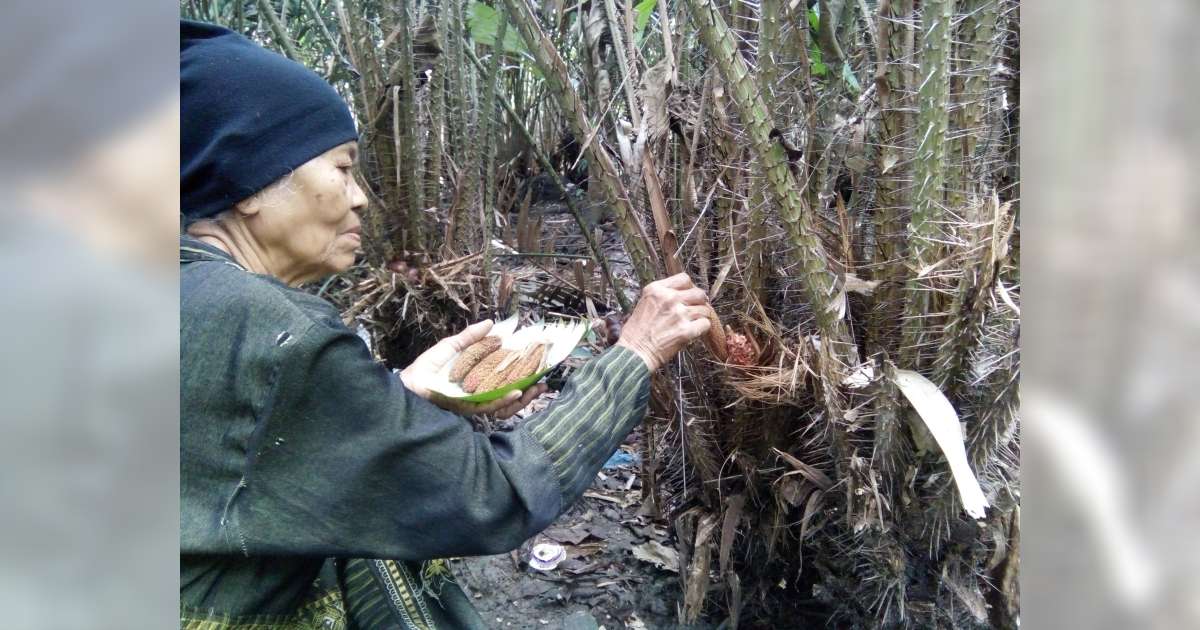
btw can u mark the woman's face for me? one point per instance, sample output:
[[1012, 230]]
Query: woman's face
[[308, 222]]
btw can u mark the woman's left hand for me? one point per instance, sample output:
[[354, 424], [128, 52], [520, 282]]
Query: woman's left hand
[[433, 359]]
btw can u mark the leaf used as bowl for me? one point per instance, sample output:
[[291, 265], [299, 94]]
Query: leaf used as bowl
[[560, 338]]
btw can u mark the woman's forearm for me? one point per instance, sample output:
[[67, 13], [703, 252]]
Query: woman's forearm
[[601, 404]]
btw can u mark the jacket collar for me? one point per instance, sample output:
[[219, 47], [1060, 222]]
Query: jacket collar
[[195, 250]]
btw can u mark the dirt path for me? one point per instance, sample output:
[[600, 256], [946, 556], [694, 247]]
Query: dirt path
[[600, 583]]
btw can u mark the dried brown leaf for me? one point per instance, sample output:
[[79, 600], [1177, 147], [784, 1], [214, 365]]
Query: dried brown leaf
[[654, 90], [696, 582], [819, 478], [657, 554], [733, 513]]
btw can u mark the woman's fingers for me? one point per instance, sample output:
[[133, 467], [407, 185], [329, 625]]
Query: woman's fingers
[[449, 404], [498, 404], [532, 393], [679, 281], [694, 312], [523, 401], [509, 411], [698, 327], [693, 295]]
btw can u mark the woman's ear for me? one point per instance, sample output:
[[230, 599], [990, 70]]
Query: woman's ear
[[249, 207], [276, 195]]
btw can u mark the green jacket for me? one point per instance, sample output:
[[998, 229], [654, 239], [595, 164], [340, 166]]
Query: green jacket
[[315, 489]]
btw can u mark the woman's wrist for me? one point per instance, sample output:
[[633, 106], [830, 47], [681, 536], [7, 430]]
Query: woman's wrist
[[647, 357]]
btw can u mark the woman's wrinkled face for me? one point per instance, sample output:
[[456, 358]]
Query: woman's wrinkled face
[[308, 222]]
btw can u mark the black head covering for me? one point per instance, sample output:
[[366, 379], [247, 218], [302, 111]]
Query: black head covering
[[248, 117]]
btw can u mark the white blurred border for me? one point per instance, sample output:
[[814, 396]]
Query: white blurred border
[[1111, 299], [89, 350]]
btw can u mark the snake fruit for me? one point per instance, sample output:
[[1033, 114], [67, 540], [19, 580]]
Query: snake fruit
[[483, 370], [528, 363], [471, 357], [716, 340]]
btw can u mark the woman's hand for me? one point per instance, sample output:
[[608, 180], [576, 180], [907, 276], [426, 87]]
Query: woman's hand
[[433, 359], [671, 313]]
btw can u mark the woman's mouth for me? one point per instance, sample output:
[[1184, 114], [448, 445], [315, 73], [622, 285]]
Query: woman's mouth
[[353, 239]]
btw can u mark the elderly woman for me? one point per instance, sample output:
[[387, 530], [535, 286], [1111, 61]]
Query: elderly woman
[[316, 486]]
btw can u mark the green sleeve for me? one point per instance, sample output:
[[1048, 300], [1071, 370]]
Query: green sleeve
[[350, 463], [600, 406]]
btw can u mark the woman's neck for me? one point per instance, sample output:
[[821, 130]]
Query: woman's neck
[[234, 239]]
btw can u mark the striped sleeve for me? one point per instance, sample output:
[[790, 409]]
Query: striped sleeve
[[600, 405]]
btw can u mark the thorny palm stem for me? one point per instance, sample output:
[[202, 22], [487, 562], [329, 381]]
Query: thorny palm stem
[[408, 159], [277, 29], [602, 167], [330, 40], [456, 79], [625, 61], [988, 236], [572, 203], [819, 283], [437, 114], [768, 47], [891, 194], [984, 232], [358, 48], [998, 419], [488, 123], [929, 211], [969, 88]]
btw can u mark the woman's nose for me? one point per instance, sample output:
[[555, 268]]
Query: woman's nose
[[358, 199]]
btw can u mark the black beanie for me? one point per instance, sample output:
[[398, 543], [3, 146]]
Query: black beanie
[[248, 117]]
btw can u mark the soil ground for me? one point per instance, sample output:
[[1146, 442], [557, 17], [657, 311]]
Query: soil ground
[[601, 583]]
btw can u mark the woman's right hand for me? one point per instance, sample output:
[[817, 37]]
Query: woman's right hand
[[671, 313]]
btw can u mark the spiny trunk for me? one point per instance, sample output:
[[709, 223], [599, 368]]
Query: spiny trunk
[[572, 204], [602, 167], [768, 47], [972, 97], [894, 168], [437, 115], [926, 228], [488, 121], [456, 132], [408, 159], [279, 30], [819, 284], [379, 157], [987, 251]]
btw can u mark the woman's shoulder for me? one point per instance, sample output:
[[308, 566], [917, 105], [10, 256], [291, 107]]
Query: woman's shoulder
[[215, 290]]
